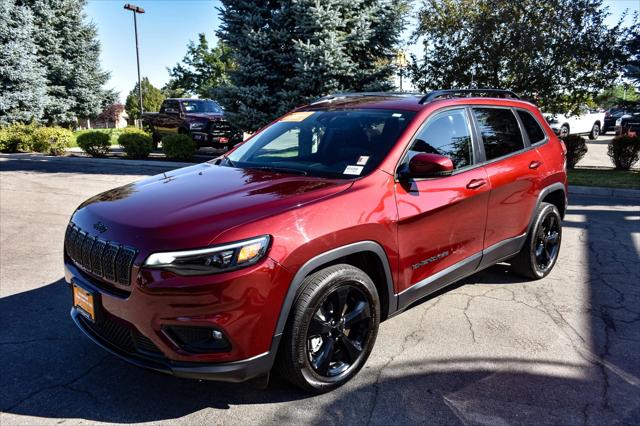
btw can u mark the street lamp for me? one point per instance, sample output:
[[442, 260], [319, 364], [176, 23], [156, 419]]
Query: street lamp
[[136, 9]]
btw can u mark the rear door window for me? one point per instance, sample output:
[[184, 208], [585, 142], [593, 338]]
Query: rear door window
[[500, 132], [532, 127]]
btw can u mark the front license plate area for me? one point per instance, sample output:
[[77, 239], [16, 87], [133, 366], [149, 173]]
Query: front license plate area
[[85, 302]]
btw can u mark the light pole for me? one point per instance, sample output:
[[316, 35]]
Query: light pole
[[401, 63], [136, 9]]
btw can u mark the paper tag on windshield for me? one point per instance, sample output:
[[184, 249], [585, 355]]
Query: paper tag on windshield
[[362, 160], [353, 170], [295, 117]]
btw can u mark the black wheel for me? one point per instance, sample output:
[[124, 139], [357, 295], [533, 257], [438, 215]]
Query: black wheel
[[156, 139], [564, 131], [595, 132], [540, 251], [331, 330]]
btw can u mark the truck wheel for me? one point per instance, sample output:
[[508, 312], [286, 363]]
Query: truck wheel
[[156, 139], [595, 132], [331, 330], [564, 131], [540, 251]]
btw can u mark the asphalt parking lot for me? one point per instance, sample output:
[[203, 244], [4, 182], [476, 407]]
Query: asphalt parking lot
[[494, 350]]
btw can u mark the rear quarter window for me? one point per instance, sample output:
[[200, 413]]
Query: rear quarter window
[[531, 127]]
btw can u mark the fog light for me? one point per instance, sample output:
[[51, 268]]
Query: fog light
[[197, 339]]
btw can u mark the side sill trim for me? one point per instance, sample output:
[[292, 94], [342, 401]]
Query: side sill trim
[[472, 264]]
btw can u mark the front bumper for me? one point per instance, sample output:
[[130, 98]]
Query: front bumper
[[241, 305], [237, 371]]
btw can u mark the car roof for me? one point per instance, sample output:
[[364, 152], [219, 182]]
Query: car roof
[[415, 101]]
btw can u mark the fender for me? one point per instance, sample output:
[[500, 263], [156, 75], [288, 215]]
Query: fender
[[543, 193], [329, 256]]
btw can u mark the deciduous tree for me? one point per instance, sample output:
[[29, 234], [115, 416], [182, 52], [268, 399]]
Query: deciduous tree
[[558, 52], [152, 98], [202, 69]]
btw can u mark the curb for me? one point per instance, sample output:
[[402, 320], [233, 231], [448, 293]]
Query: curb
[[596, 191], [102, 161]]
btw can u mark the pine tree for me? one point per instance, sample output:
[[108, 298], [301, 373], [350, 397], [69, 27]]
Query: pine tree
[[201, 70], [152, 98], [287, 53], [22, 82], [69, 50]]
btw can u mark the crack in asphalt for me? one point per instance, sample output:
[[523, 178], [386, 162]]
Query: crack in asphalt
[[403, 347], [66, 385]]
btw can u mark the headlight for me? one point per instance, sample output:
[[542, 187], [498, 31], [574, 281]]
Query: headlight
[[211, 260], [198, 125], [619, 122]]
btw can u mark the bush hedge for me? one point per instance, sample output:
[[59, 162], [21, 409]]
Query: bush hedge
[[178, 147], [96, 144], [624, 151], [51, 140], [576, 149], [17, 137], [136, 143]]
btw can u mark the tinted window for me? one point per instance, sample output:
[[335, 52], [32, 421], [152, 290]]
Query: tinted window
[[500, 132], [171, 107], [446, 134], [198, 106], [343, 143], [531, 126]]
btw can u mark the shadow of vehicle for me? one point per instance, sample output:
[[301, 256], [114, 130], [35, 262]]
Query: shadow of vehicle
[[50, 370]]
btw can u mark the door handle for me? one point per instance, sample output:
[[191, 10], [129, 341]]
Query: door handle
[[535, 164], [476, 183]]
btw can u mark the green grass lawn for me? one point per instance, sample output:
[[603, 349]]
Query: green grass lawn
[[605, 178], [114, 133]]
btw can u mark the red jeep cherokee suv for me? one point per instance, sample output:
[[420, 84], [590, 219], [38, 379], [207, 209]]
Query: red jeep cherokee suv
[[290, 249]]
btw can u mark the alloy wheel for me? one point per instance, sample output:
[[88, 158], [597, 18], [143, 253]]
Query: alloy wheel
[[339, 330], [547, 242]]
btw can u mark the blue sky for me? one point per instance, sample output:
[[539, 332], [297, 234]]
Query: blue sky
[[165, 29]]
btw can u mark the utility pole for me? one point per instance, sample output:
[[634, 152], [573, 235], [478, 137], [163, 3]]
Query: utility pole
[[135, 9]]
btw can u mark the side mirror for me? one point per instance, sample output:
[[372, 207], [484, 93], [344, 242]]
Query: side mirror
[[424, 165]]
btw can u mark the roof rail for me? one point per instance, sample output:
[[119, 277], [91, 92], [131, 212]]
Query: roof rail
[[336, 96], [461, 93]]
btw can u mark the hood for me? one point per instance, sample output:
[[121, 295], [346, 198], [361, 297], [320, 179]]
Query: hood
[[189, 207]]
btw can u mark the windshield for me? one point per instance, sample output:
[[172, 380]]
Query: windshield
[[336, 144], [201, 106]]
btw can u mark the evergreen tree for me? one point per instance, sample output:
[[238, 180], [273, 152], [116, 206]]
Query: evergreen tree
[[22, 82], [287, 53], [69, 51], [152, 98], [632, 67], [202, 69], [559, 52]]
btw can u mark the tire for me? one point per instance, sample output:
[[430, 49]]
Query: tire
[[540, 252], [564, 131], [155, 138], [595, 132], [316, 354]]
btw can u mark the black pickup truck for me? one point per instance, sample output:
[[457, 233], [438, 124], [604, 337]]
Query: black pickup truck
[[202, 119]]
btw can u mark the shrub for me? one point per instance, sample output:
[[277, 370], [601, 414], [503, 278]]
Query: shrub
[[576, 149], [52, 140], [136, 143], [96, 144], [17, 137], [179, 147], [624, 151]]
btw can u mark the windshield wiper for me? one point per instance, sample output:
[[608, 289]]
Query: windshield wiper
[[278, 169]]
